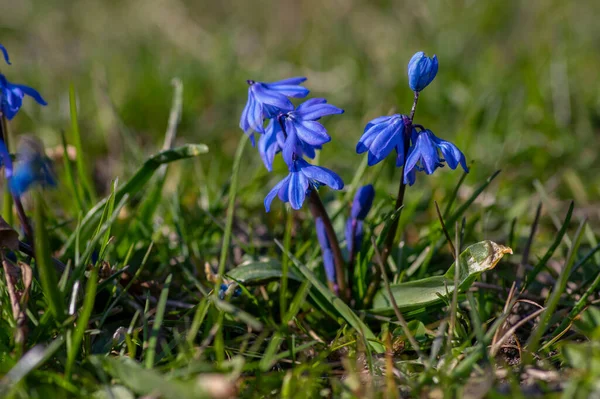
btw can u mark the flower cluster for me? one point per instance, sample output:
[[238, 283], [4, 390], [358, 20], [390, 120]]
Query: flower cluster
[[295, 132], [417, 148]]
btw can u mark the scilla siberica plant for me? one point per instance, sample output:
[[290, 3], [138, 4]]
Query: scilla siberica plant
[[297, 133]]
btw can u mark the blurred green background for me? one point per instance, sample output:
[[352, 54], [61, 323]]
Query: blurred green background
[[517, 88]]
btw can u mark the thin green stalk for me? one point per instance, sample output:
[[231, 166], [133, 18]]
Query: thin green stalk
[[43, 260], [552, 302], [287, 242], [230, 210], [80, 159], [82, 320], [158, 319]]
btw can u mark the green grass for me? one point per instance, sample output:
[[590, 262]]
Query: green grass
[[164, 199]]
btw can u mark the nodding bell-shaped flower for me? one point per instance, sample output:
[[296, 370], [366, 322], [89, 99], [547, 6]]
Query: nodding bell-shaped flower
[[303, 177], [381, 136], [328, 262], [11, 97], [5, 54], [424, 156], [267, 100], [421, 71]]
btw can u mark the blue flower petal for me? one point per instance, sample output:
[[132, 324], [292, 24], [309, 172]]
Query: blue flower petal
[[268, 145], [310, 132], [385, 142], [266, 96], [30, 92], [379, 120], [289, 90], [5, 53], [297, 189], [274, 191], [316, 108], [421, 71], [289, 81], [452, 155], [322, 175]]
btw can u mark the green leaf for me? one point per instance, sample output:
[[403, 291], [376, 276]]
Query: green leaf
[[411, 295], [257, 273], [148, 382], [135, 184]]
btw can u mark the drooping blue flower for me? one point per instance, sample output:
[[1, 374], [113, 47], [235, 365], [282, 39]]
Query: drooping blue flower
[[424, 156], [32, 167], [381, 136], [5, 53], [11, 97], [302, 122], [273, 141], [267, 100], [363, 200], [325, 250], [421, 71], [302, 178]]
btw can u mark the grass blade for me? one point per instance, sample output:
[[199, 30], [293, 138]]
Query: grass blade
[[82, 173], [158, 319], [43, 260]]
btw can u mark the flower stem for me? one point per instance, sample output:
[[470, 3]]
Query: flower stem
[[389, 240], [318, 211], [393, 231], [352, 249]]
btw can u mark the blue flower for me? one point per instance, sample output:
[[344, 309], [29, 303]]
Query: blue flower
[[302, 122], [11, 97], [267, 100], [363, 200], [424, 156], [302, 178], [33, 167], [381, 136], [6, 161], [325, 250], [421, 71], [5, 53]]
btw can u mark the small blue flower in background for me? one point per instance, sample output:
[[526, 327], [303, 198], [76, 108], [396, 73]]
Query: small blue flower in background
[[32, 167], [363, 201], [223, 291], [381, 136], [421, 71], [267, 100], [325, 250], [11, 97], [424, 156], [303, 177], [5, 53]]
